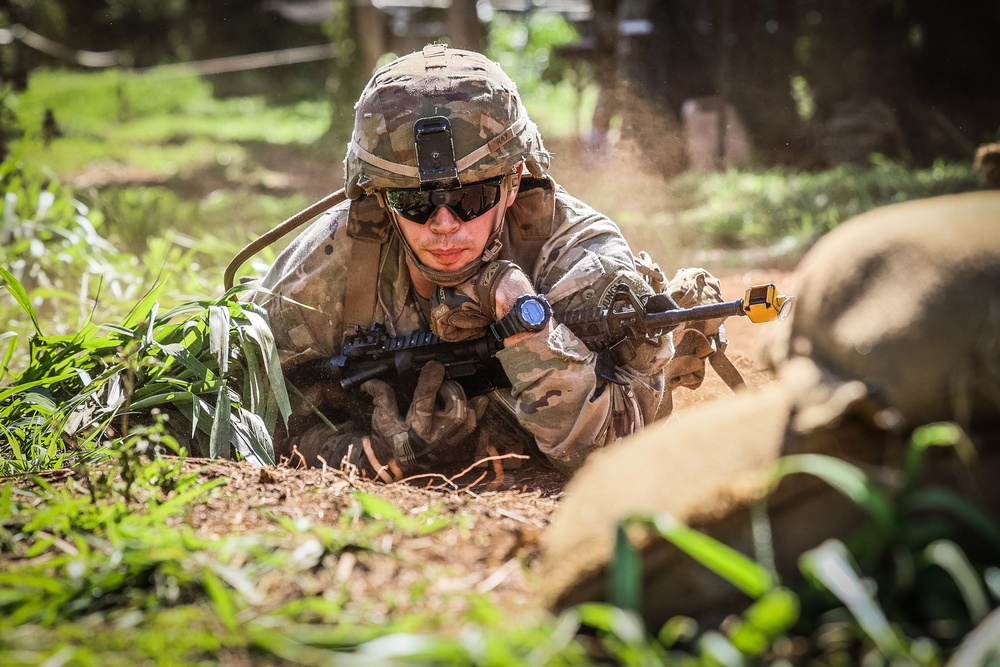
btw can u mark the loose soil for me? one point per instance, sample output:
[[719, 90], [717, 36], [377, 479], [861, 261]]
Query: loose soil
[[492, 548]]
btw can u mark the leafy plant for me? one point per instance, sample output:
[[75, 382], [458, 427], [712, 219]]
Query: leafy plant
[[211, 364], [48, 238]]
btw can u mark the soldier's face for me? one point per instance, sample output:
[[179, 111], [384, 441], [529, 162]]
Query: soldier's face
[[445, 242]]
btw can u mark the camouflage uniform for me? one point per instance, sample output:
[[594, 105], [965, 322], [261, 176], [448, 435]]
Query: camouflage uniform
[[555, 394], [571, 254]]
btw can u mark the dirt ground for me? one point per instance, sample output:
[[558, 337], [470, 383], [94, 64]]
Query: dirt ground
[[492, 547]]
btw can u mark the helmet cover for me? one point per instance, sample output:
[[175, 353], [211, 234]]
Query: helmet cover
[[490, 127]]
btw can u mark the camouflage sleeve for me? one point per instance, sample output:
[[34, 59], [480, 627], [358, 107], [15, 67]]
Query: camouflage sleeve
[[558, 395]]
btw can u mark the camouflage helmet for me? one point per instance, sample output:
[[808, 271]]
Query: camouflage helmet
[[898, 315], [490, 128]]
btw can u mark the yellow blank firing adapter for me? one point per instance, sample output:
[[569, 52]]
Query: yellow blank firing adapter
[[763, 303]]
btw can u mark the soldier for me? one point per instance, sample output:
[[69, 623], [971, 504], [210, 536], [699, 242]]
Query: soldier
[[453, 225]]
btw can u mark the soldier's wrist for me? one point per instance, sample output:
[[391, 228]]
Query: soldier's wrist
[[530, 313]]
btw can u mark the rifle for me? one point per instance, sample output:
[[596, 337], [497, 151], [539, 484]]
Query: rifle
[[613, 332]]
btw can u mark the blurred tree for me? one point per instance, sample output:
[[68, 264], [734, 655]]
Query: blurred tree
[[17, 60], [912, 78], [359, 36], [465, 31]]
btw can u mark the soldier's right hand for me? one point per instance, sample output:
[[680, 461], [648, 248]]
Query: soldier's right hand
[[465, 311], [440, 418]]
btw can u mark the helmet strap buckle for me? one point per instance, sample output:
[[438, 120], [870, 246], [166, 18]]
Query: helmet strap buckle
[[493, 250]]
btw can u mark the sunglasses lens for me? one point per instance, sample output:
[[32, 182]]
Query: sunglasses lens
[[412, 204], [472, 201], [467, 202]]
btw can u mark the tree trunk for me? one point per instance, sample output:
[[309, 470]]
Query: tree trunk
[[372, 38], [464, 29]]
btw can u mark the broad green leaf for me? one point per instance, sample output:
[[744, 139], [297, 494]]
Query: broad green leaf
[[733, 566], [11, 344], [831, 564], [625, 572], [43, 382], [848, 480], [625, 625], [143, 310], [946, 555], [162, 399], [980, 647], [678, 628], [379, 508], [719, 650], [183, 355], [219, 328], [940, 434], [770, 617], [253, 393], [152, 321], [222, 599], [20, 295], [252, 438], [261, 332], [219, 445], [185, 308], [939, 499]]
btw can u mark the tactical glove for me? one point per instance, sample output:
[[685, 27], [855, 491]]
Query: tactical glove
[[463, 312], [320, 445], [440, 418], [697, 341]]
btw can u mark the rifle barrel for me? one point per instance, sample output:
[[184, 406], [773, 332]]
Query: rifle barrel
[[669, 318]]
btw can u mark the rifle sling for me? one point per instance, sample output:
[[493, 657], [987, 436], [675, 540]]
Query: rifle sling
[[724, 366], [362, 284]]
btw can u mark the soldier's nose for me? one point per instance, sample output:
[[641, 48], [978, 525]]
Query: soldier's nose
[[443, 221]]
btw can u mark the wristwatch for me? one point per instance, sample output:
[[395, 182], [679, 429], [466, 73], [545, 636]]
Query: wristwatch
[[531, 312]]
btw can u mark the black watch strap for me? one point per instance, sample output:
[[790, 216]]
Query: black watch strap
[[531, 312]]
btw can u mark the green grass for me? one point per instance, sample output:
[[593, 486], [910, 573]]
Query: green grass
[[192, 160], [101, 568]]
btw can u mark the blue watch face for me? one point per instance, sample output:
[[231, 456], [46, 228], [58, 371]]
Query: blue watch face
[[533, 312]]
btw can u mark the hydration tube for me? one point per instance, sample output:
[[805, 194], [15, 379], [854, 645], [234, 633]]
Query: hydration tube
[[272, 235]]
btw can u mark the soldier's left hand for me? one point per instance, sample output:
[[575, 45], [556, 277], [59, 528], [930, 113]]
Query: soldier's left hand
[[438, 422], [463, 312]]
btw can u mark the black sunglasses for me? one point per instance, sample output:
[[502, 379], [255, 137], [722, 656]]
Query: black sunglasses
[[467, 202]]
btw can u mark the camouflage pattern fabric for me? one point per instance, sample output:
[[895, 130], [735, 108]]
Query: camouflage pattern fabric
[[694, 341], [556, 397], [697, 341]]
